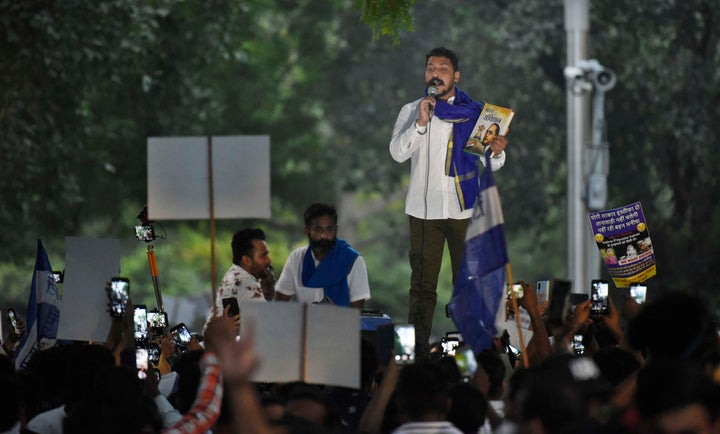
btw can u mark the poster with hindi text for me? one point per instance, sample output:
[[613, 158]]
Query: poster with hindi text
[[623, 238]]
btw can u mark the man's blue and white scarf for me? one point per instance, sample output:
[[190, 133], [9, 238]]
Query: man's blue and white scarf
[[463, 114], [332, 272]]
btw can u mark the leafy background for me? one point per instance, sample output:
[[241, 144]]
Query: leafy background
[[83, 84]]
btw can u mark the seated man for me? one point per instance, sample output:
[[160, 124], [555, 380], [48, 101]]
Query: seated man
[[328, 269], [247, 277]]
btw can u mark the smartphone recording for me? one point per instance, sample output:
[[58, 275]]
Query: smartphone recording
[[157, 324], [638, 292], [449, 345], [404, 343], [181, 337], [465, 361], [517, 289], [599, 292], [153, 351], [13, 320], [141, 324], [542, 289], [141, 362], [559, 300], [145, 233], [578, 345], [119, 294]]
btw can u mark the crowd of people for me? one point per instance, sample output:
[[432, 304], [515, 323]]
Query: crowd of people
[[644, 368], [640, 369]]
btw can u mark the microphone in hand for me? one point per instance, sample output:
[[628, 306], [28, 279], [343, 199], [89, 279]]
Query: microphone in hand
[[432, 91]]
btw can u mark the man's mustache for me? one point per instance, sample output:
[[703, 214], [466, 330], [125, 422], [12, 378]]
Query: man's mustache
[[435, 82]]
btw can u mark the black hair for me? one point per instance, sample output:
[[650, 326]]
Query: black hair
[[493, 365], [187, 367], [468, 408], [317, 210], [117, 403], [616, 364], [422, 389], [242, 243], [299, 391], [669, 383], [655, 329], [444, 52]]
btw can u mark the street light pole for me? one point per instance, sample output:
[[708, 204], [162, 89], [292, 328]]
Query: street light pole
[[577, 24]]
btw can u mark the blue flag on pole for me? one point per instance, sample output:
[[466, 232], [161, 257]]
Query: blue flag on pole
[[43, 310], [477, 305]]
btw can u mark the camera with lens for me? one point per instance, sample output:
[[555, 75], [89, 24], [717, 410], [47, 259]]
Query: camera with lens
[[604, 79], [589, 74]]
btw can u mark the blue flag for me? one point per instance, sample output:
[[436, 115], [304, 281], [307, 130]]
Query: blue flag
[[477, 305], [43, 310]]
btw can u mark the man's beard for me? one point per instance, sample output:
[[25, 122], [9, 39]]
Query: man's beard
[[321, 246], [437, 82]]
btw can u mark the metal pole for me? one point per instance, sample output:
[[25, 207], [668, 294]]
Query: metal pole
[[155, 277], [577, 24]]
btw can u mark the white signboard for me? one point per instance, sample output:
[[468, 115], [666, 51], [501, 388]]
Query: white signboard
[[178, 177], [89, 264]]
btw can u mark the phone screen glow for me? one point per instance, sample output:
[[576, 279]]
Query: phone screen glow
[[404, 343], [140, 317]]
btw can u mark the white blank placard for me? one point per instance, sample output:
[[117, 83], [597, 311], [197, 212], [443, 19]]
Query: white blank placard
[[178, 177], [89, 264]]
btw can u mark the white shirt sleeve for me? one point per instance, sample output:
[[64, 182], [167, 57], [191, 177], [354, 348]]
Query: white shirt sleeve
[[496, 162], [286, 282], [358, 281], [406, 138], [168, 413]]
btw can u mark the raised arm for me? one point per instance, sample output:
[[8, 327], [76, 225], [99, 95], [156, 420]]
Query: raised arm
[[407, 134], [372, 418], [538, 349]]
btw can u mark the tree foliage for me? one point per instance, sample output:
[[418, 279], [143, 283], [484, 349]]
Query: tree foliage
[[85, 83]]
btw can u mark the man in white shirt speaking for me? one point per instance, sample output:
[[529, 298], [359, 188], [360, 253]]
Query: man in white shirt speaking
[[432, 132]]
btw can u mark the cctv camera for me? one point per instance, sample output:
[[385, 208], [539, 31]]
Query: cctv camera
[[573, 73], [604, 79]]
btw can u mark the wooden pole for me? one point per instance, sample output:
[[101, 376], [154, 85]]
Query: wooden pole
[[303, 344], [211, 201]]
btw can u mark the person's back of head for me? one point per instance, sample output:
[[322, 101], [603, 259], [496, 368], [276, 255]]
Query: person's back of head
[[681, 393], [468, 408], [451, 371], [494, 367], [116, 404], [7, 366], [308, 402], [422, 392], [41, 374], [290, 424], [12, 401], [557, 394], [84, 361], [677, 325], [616, 364], [187, 367]]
